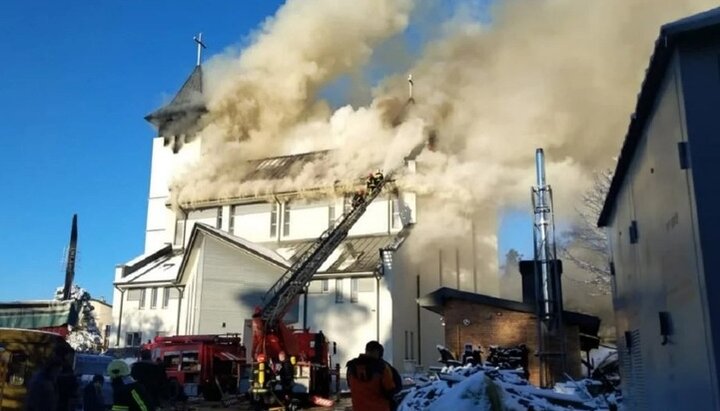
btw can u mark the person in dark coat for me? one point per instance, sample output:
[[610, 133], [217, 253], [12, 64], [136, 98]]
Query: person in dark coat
[[286, 373], [93, 396], [42, 393], [151, 376], [67, 389], [128, 395]]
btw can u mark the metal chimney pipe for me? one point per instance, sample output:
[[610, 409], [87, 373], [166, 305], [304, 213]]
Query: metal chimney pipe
[[541, 222]]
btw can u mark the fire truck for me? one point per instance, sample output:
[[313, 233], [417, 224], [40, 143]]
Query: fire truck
[[207, 365], [308, 351]]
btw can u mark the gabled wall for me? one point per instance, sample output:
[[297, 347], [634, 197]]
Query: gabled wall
[[659, 271]]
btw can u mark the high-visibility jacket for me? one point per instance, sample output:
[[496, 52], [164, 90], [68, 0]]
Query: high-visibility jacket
[[371, 384], [128, 395]]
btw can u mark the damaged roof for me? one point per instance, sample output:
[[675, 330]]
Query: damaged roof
[[278, 168]]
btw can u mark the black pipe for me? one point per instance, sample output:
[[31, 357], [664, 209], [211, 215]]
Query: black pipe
[[419, 338]]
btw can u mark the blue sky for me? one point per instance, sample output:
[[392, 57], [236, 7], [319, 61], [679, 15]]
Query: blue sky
[[77, 80]]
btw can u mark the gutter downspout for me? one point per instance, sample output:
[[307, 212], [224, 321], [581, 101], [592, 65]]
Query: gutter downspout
[[180, 297], [122, 300], [377, 304], [419, 329]]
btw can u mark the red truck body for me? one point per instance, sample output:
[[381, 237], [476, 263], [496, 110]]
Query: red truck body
[[206, 362]]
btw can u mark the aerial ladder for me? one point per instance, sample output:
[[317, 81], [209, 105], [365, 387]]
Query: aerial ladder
[[271, 335]]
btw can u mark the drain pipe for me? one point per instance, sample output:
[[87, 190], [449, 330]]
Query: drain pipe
[[122, 300], [180, 297]]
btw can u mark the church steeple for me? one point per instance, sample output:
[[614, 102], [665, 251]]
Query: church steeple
[[182, 113]]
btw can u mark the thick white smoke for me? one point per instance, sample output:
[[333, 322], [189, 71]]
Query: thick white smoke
[[557, 74]]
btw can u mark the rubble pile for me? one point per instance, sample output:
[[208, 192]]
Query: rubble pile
[[486, 388]]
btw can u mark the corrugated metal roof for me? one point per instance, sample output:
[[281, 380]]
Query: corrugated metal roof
[[277, 168], [698, 24], [353, 255]]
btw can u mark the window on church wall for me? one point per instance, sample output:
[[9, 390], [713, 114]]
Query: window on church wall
[[166, 297], [231, 229], [134, 294], [286, 219], [396, 221], [339, 297], [218, 219], [273, 220], [325, 286], [141, 304], [331, 215], [179, 232], [153, 297], [354, 290], [133, 339]]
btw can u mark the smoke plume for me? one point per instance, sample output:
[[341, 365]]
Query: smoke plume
[[493, 84]]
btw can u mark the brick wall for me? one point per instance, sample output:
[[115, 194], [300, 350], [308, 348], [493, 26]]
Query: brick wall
[[496, 326]]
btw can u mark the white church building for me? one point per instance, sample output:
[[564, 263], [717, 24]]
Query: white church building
[[206, 268]]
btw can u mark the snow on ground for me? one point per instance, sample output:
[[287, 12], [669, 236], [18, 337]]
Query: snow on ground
[[489, 389]]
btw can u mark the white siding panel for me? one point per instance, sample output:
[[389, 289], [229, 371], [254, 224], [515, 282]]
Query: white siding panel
[[252, 222], [350, 325], [375, 219], [307, 220], [233, 285]]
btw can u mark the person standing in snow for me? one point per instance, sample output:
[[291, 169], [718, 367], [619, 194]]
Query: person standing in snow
[[370, 380]]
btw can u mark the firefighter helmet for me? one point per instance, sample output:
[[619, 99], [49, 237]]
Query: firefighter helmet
[[118, 368]]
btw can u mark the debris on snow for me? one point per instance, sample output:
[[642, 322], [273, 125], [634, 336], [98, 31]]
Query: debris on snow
[[486, 388]]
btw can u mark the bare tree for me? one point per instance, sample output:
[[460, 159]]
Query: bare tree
[[584, 243]]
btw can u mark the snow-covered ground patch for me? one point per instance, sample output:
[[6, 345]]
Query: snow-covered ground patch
[[489, 389]]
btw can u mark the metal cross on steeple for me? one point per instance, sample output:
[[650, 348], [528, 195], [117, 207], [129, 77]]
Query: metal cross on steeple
[[200, 46]]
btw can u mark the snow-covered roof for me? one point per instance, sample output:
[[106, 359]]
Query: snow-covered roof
[[38, 314], [248, 246], [162, 269], [257, 249]]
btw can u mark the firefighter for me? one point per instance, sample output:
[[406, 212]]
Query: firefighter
[[286, 374], [358, 198], [370, 182], [128, 395]]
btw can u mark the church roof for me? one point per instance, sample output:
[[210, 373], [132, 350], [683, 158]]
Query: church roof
[[354, 255], [278, 168], [188, 99]]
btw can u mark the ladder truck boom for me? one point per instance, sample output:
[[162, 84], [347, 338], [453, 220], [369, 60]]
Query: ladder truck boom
[[295, 279]]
